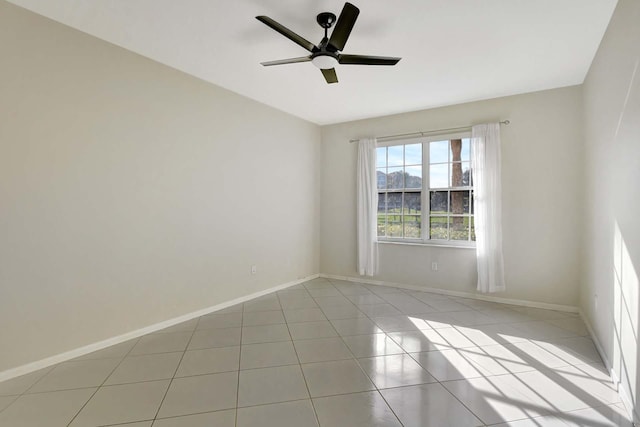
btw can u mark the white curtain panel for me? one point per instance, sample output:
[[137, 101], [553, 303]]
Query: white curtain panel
[[367, 208], [485, 143]]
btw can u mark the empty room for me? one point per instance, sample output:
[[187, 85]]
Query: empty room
[[319, 213]]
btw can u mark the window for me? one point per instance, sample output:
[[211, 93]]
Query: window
[[434, 173]]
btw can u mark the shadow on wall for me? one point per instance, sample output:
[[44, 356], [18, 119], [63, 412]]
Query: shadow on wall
[[625, 360]]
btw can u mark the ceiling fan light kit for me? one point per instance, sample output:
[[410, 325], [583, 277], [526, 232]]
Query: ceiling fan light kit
[[326, 55]]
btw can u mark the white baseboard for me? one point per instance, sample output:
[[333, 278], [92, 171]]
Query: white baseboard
[[72, 354], [524, 303], [624, 396]]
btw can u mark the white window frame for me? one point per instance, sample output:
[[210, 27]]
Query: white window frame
[[425, 214]]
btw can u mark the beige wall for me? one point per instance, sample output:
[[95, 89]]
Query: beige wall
[[131, 193], [610, 295], [542, 198]]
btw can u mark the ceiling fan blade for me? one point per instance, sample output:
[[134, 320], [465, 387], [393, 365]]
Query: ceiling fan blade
[[287, 33], [367, 60], [287, 61], [330, 75], [343, 27]]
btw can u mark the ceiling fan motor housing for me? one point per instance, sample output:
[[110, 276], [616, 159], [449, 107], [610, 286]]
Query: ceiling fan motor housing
[[326, 19]]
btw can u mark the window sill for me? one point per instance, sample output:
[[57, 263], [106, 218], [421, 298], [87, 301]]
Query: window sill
[[431, 244]]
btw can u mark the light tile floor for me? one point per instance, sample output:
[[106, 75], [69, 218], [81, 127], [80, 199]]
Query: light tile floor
[[331, 353]]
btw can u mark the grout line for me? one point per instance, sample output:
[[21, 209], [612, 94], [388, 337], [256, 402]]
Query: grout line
[[104, 381], [304, 378], [155, 417], [235, 418]]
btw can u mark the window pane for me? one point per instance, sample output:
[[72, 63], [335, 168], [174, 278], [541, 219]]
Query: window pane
[[382, 219], [466, 150], [382, 202], [456, 174], [413, 154], [395, 178], [394, 155], [471, 201], [459, 227], [394, 203], [381, 157], [394, 226], [439, 152], [438, 176], [381, 177], [413, 177], [438, 227], [439, 201], [412, 203], [412, 226], [466, 173], [459, 203], [473, 228]]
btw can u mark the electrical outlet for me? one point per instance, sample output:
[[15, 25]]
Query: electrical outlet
[[434, 266], [254, 269]]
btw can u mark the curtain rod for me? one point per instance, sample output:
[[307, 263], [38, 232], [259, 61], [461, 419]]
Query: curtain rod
[[425, 133]]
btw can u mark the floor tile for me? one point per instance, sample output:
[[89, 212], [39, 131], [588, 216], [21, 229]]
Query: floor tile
[[258, 318], [365, 299], [575, 325], [602, 416], [226, 418], [267, 333], [211, 338], [400, 323], [271, 385], [437, 320], [147, 367], [324, 292], [138, 424], [448, 365], [493, 401], [547, 421], [379, 310], [342, 312], [359, 326], [119, 404], [540, 330], [5, 401], [395, 371], [471, 318], [268, 354], [299, 414], [322, 350], [304, 315], [202, 393], [496, 334], [576, 350], [414, 342], [54, 409], [428, 405], [310, 330], [187, 326], [355, 410], [336, 377], [209, 361], [161, 343], [218, 321], [372, 345], [21, 384], [267, 304], [76, 374], [414, 307], [298, 303], [114, 351]]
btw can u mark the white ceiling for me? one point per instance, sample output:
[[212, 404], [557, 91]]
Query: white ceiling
[[452, 51]]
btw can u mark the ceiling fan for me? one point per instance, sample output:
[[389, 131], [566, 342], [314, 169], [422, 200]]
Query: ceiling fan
[[327, 54]]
